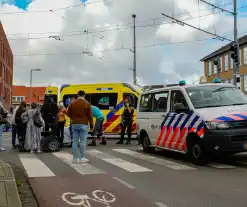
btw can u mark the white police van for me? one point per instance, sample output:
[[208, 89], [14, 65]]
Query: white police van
[[193, 119]]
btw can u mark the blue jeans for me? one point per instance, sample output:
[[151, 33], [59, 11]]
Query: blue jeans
[[1, 135], [14, 133], [79, 130]]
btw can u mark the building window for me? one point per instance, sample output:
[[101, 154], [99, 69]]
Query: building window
[[215, 69], [245, 83], [209, 68], [231, 63], [226, 62], [18, 98], [240, 56], [245, 55]]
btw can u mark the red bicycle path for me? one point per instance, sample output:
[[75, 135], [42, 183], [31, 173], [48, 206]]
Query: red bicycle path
[[50, 191]]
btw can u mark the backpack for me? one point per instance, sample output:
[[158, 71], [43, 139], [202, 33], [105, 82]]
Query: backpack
[[36, 120]]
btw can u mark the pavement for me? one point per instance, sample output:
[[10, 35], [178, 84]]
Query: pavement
[[9, 195], [120, 176]]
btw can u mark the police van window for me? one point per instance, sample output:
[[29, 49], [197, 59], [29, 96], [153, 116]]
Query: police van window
[[216, 96], [160, 102], [177, 97], [104, 101], [133, 99], [146, 103]]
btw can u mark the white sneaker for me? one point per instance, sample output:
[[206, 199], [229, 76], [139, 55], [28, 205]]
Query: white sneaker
[[31, 151], [84, 160], [2, 149], [38, 151], [75, 161]]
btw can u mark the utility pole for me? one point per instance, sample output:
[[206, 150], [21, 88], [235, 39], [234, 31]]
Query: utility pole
[[134, 51], [235, 71]]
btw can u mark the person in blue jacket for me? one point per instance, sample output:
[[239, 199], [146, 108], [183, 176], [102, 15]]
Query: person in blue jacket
[[98, 127]]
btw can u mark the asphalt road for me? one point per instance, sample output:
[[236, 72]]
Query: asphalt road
[[124, 176]]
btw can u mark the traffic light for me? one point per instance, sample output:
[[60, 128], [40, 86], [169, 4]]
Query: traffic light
[[235, 53]]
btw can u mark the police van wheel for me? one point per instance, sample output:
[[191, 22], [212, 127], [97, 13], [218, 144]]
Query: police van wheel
[[146, 144], [196, 152]]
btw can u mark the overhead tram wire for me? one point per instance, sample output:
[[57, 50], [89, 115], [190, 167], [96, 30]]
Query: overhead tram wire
[[118, 49], [69, 7], [116, 26], [48, 10], [93, 31]]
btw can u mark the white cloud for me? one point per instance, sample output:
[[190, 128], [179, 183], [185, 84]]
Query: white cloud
[[157, 65]]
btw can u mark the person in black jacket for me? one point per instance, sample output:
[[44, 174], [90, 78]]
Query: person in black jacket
[[127, 121], [49, 113]]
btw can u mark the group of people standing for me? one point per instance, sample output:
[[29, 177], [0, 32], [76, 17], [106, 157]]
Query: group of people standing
[[81, 114], [25, 127]]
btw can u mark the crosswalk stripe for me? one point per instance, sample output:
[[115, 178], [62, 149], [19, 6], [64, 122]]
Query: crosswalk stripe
[[221, 166], [155, 160], [128, 166], [160, 204], [34, 166], [83, 169]]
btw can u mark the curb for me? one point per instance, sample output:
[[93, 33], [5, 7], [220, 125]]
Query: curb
[[11, 190]]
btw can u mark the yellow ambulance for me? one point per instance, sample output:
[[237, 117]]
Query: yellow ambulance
[[108, 97], [51, 92]]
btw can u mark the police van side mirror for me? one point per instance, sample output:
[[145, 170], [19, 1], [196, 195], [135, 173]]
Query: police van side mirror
[[180, 108]]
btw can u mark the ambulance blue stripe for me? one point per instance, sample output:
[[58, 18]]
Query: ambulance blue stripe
[[241, 116], [193, 122], [111, 113], [178, 121], [186, 120], [200, 126], [225, 118], [171, 120]]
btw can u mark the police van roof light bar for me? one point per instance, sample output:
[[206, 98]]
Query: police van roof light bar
[[151, 87]]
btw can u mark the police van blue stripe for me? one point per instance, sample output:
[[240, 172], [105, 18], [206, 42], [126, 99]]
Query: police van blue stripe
[[178, 121], [200, 126], [241, 116], [171, 120], [225, 118], [186, 120], [193, 122]]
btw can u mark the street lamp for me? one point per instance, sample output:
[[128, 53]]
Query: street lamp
[[31, 78]]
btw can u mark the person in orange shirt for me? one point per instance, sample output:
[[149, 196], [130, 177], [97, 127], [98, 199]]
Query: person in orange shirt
[[61, 123]]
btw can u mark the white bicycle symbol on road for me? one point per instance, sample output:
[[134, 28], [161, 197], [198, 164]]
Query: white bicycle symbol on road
[[99, 196]]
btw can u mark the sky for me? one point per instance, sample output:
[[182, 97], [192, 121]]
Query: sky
[[88, 41]]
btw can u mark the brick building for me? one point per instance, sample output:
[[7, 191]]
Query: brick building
[[22, 93], [6, 69], [224, 53]]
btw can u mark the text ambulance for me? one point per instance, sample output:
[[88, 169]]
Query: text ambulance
[[193, 119]]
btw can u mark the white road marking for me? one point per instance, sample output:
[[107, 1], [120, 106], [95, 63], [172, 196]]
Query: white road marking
[[161, 204], [34, 166], [221, 166], [83, 169], [128, 166], [155, 160], [124, 183]]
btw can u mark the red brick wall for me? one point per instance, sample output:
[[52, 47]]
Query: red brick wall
[[6, 69], [37, 93]]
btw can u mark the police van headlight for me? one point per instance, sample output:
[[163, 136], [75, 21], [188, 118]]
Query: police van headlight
[[217, 125]]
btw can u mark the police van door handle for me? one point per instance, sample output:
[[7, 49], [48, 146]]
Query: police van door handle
[[163, 115]]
